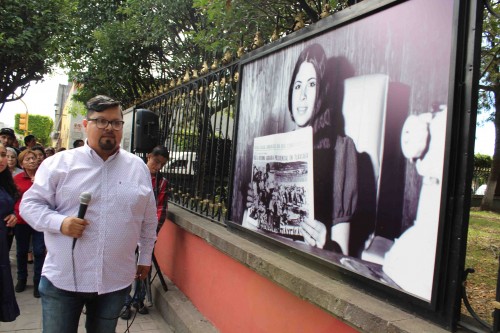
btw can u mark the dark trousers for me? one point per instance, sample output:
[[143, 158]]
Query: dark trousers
[[24, 233]]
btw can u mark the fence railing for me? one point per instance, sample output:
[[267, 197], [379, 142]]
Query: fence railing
[[479, 177], [196, 125]]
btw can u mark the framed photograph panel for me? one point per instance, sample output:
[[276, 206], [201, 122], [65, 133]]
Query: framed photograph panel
[[343, 137]]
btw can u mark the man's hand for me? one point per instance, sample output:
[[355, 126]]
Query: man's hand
[[142, 272], [73, 226]]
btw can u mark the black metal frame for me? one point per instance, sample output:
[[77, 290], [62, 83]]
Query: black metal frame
[[444, 308], [202, 187]]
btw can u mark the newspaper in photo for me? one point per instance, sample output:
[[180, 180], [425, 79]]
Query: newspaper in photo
[[282, 183]]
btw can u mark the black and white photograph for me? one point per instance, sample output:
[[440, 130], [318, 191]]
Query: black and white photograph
[[374, 93], [280, 194]]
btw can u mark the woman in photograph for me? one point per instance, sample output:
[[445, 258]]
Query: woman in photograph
[[9, 309], [334, 153]]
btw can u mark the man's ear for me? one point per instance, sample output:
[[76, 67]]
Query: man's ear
[[85, 123]]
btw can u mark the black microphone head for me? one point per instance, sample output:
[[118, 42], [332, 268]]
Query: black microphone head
[[85, 198]]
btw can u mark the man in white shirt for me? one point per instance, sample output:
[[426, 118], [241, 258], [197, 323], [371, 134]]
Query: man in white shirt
[[121, 215]]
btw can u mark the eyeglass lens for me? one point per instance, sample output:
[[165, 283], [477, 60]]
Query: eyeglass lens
[[103, 123]]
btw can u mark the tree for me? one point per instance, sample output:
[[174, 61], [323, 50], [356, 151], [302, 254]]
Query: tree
[[231, 25], [129, 49], [30, 35], [39, 126], [489, 94]]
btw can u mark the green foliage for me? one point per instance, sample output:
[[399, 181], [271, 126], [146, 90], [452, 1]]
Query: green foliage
[[186, 140], [31, 31], [39, 126], [130, 48], [482, 254], [490, 62], [76, 108], [233, 24], [482, 161]]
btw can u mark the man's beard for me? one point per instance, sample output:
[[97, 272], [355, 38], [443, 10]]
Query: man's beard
[[107, 144]]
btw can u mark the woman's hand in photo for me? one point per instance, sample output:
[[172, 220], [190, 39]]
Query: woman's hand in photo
[[250, 196], [314, 233]]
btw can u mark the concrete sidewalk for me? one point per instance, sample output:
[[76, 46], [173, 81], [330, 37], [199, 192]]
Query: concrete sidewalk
[[30, 320]]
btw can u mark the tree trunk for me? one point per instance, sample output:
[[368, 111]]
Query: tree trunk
[[487, 202]]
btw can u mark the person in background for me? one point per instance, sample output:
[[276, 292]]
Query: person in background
[[61, 149], [29, 141], [78, 143], [96, 270], [23, 231], [156, 160], [9, 310], [8, 138], [15, 144], [12, 161], [49, 151], [12, 164], [40, 153], [40, 156]]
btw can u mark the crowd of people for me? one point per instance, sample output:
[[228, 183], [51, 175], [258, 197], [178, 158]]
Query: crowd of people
[[20, 163], [40, 192]]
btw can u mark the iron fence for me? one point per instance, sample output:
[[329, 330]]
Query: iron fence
[[479, 177], [196, 125]]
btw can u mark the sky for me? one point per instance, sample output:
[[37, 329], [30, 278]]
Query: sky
[[41, 97]]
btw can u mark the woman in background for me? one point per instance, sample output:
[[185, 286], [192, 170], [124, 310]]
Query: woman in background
[[23, 231], [40, 153], [13, 166], [9, 309], [12, 161]]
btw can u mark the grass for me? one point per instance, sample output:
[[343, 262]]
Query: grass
[[483, 250]]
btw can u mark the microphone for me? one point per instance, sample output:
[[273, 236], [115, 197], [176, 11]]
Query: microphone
[[84, 202]]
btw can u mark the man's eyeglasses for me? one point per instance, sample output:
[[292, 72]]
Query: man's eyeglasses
[[103, 123]]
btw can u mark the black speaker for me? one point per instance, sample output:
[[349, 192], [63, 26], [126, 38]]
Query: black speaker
[[147, 130]]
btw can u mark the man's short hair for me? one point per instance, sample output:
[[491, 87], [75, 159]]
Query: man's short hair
[[28, 138], [8, 132], [100, 103], [78, 143]]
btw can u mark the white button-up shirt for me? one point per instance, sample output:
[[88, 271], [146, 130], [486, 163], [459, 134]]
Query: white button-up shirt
[[121, 215]]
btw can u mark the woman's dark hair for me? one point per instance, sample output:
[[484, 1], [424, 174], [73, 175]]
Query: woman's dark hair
[[7, 183], [160, 151], [315, 55]]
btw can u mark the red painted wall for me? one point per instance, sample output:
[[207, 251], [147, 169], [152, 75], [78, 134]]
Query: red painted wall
[[233, 297]]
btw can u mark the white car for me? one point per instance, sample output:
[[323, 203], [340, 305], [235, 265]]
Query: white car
[[481, 190]]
